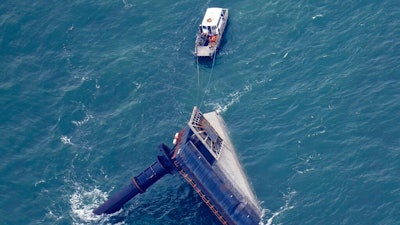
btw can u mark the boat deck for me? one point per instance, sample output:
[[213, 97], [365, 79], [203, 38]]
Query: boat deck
[[203, 51]]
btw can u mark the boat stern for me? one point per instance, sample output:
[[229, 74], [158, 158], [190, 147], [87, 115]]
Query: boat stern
[[204, 51]]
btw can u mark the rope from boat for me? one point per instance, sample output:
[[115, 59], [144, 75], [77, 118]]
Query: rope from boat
[[209, 80], [198, 79]]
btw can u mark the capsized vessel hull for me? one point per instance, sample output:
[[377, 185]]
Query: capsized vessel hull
[[217, 177], [205, 157]]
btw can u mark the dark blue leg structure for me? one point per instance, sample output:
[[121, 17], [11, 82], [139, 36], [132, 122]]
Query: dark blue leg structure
[[139, 184]]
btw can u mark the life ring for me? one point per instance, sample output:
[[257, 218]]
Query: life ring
[[209, 20]]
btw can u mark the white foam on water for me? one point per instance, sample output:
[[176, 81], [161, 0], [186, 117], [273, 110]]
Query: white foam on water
[[316, 16], [263, 213], [85, 120], [306, 164], [315, 131], [82, 204], [127, 5], [39, 182], [288, 198], [97, 84], [286, 54], [66, 140], [87, 117], [232, 98], [235, 96], [52, 215]]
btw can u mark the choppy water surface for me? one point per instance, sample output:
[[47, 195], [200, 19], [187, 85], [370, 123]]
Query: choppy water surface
[[309, 91]]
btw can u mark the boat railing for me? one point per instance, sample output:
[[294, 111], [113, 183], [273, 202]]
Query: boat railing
[[206, 133]]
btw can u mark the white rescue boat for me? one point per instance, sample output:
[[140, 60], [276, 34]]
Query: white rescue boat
[[209, 34]]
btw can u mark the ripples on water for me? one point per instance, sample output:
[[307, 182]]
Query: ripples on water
[[309, 93]]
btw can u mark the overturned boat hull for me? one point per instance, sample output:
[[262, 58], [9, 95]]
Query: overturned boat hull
[[205, 157]]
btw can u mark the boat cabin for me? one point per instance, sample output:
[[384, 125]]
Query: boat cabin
[[212, 21]]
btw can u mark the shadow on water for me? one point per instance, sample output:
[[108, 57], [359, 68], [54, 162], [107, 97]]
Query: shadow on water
[[206, 61]]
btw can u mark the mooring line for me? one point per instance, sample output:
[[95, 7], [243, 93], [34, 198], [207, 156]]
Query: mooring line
[[209, 80], [198, 79]]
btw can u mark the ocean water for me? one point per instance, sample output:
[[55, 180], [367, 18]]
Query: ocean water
[[310, 91]]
